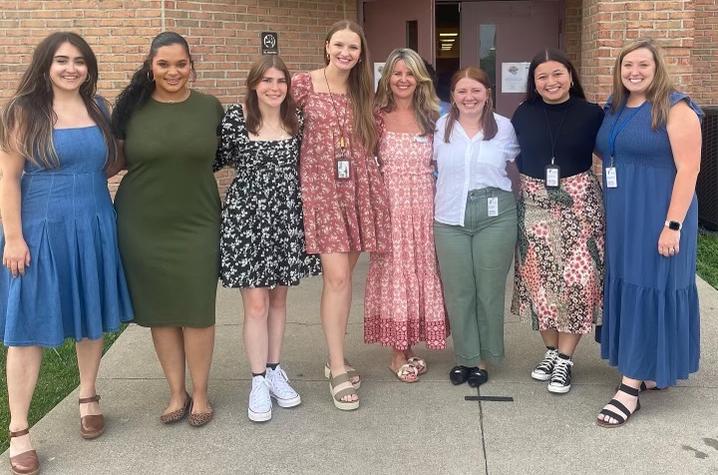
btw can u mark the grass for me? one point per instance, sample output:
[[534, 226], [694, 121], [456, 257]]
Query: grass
[[58, 378], [58, 374], [708, 258]]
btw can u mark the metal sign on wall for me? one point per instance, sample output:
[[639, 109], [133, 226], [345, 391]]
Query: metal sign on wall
[[270, 42]]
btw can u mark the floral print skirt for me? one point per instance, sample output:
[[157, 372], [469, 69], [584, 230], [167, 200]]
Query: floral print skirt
[[558, 279]]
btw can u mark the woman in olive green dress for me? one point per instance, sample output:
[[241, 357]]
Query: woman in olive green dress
[[168, 218]]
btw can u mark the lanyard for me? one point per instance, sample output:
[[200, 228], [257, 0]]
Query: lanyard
[[618, 127], [553, 139]]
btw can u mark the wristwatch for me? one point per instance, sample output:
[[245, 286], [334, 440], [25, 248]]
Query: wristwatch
[[673, 225]]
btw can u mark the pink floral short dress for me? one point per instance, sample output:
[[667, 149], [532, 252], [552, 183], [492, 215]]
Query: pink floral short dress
[[340, 215]]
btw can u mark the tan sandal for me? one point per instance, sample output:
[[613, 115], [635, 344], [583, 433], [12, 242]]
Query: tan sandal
[[353, 373], [405, 372], [341, 386], [418, 363]]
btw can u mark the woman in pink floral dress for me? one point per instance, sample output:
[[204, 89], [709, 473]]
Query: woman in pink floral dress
[[403, 303], [345, 208]]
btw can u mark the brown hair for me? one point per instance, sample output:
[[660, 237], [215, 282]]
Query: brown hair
[[360, 90], [287, 111], [660, 89], [28, 119], [487, 119], [425, 102]]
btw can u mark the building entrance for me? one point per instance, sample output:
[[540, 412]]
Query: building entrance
[[501, 37]]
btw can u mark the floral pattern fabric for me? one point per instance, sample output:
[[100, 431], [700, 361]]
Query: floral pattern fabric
[[262, 233], [339, 215], [558, 279], [403, 301]]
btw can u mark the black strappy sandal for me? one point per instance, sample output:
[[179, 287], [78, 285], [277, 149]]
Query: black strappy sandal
[[617, 404]]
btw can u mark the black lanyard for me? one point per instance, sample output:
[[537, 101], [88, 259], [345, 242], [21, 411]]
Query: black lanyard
[[554, 140]]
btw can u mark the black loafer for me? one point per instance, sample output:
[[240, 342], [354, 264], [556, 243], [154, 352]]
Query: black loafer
[[458, 375], [477, 377]]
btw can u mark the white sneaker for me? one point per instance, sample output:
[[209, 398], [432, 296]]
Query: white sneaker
[[280, 390], [260, 404]]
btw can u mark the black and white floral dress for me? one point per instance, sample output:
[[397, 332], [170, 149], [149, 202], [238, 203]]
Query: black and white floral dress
[[262, 238]]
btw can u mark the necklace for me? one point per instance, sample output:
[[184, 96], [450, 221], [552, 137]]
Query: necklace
[[342, 122], [175, 101]]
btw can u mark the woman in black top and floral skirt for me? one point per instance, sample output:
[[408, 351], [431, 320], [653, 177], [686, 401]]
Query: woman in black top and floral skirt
[[262, 239], [559, 263]]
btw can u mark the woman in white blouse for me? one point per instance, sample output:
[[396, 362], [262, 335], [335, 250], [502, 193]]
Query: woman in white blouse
[[475, 222]]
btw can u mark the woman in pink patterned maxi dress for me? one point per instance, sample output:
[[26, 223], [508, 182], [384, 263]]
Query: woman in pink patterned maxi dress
[[403, 303]]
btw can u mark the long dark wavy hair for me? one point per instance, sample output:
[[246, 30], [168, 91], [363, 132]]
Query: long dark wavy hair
[[489, 127], [552, 54], [360, 88], [142, 84], [287, 111], [28, 118]]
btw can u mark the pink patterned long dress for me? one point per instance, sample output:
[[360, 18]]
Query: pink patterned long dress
[[403, 301]]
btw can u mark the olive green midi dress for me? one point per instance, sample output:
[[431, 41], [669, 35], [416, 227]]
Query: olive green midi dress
[[168, 212]]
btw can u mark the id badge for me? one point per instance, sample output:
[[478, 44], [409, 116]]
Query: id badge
[[553, 177], [493, 205], [611, 177], [342, 167]]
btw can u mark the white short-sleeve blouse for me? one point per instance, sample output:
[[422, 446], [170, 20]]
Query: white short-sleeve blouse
[[466, 164]]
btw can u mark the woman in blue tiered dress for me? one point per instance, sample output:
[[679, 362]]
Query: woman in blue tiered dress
[[650, 143], [61, 276]]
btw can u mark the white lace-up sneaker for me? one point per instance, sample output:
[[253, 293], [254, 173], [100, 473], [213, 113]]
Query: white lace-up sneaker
[[260, 403], [280, 390]]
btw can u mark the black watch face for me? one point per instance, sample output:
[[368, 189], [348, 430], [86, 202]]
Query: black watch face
[[674, 226]]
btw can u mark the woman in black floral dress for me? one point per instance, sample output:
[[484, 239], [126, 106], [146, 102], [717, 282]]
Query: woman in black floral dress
[[262, 239]]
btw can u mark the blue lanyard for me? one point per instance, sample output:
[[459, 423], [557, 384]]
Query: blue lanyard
[[618, 127]]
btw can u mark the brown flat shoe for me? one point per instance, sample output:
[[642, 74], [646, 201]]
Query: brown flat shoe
[[179, 414], [25, 463], [92, 426], [201, 418]]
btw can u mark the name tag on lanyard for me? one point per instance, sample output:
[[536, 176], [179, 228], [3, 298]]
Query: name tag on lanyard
[[553, 177], [611, 177], [616, 129]]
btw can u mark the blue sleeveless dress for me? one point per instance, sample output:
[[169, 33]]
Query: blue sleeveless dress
[[75, 286], [651, 322]]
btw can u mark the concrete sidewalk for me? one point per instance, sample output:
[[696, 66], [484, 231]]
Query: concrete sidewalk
[[420, 428]]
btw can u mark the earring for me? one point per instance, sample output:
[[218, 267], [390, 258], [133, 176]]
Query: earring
[[326, 56], [150, 76]]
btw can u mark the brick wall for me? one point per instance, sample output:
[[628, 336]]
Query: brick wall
[[223, 36], [704, 54], [572, 25], [686, 29]]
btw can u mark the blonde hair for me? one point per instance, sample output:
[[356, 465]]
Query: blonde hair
[[660, 89], [425, 101], [360, 91]]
